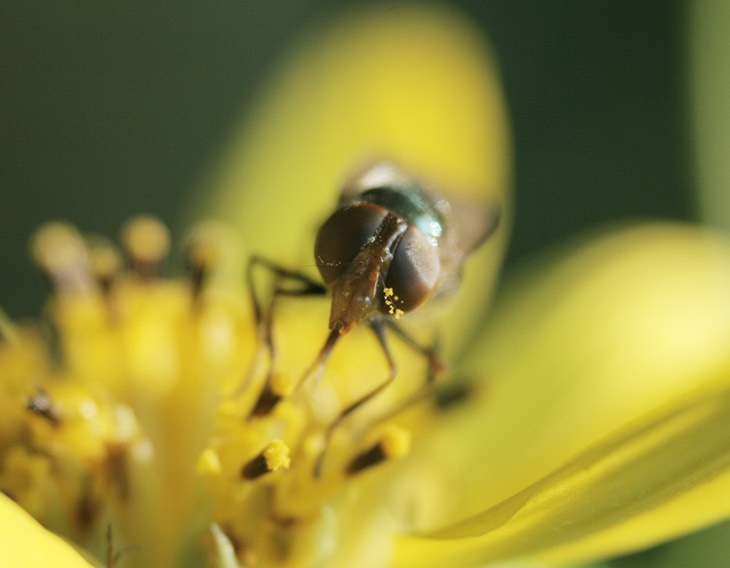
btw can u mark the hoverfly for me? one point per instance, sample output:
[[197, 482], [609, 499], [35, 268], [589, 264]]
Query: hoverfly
[[392, 244]]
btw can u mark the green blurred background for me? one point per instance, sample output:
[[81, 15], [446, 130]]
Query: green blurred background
[[114, 108], [108, 109]]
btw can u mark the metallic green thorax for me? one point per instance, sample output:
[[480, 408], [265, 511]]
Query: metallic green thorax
[[411, 203]]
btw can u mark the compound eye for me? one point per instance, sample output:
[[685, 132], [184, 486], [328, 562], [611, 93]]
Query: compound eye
[[413, 272], [343, 235]]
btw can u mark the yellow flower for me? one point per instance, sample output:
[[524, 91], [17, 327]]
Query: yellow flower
[[587, 419]]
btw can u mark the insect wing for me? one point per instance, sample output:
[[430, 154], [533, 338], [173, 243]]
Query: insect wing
[[468, 224]]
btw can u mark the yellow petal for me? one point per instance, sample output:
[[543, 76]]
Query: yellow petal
[[24, 543], [414, 85], [602, 425]]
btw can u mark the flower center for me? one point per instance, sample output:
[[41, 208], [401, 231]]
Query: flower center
[[163, 406]]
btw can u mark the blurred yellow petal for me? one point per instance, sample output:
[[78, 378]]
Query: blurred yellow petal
[[410, 84], [24, 543], [601, 424]]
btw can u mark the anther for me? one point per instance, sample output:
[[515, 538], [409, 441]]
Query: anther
[[60, 254], [146, 242], [395, 443], [273, 457]]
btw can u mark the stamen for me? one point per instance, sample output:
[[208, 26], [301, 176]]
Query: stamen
[[273, 457], [88, 506], [199, 262], [60, 254], [105, 261], [211, 251], [266, 402], [146, 242], [118, 464], [277, 386], [201, 256], [452, 395], [395, 443]]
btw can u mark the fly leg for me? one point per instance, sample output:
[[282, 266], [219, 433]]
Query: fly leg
[[434, 365], [264, 319], [426, 390], [379, 328]]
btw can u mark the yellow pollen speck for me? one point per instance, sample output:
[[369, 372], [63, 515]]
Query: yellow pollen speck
[[396, 442], [390, 299], [276, 454]]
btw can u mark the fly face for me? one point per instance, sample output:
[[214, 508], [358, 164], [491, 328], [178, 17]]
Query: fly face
[[392, 244]]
